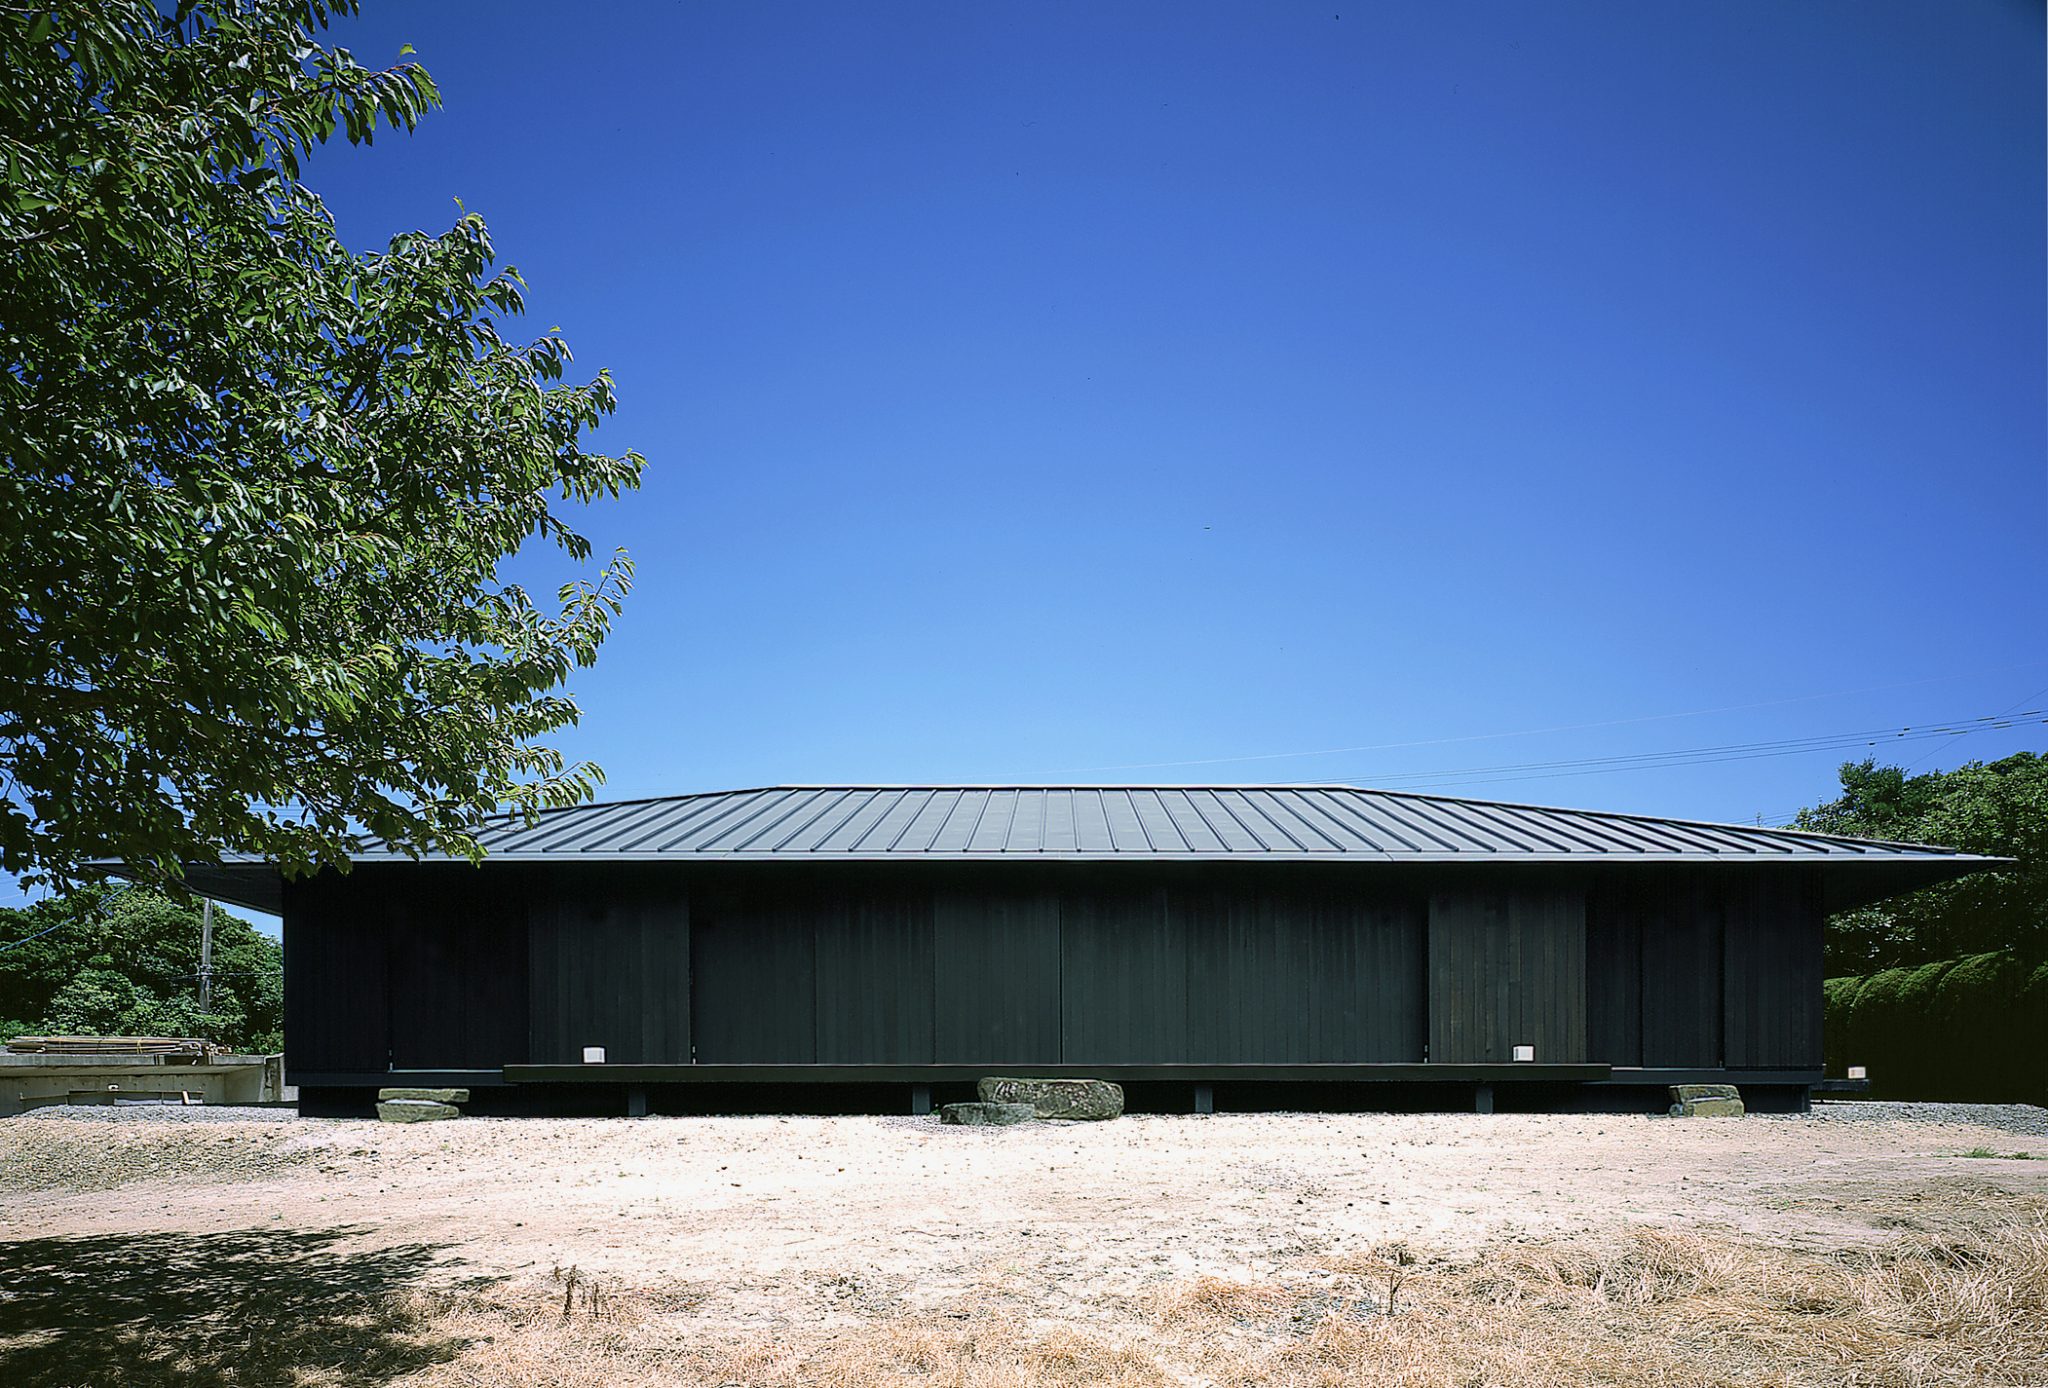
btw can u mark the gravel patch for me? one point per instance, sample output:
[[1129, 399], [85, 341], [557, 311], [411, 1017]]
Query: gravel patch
[[72, 1149], [158, 1113], [2025, 1119]]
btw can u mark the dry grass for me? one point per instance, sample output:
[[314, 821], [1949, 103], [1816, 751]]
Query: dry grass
[[1640, 1307]]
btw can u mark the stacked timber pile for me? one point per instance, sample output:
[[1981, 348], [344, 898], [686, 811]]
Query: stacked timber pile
[[109, 1045], [419, 1105], [1002, 1100]]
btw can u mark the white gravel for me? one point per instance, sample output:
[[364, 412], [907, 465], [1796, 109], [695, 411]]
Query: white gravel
[[2018, 1118], [161, 1113], [2025, 1119], [96, 1147]]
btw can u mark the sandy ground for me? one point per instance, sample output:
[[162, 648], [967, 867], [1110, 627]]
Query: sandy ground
[[755, 1222]]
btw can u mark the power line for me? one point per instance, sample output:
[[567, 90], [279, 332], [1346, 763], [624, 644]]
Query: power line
[[1691, 756], [1930, 752], [50, 930], [1868, 737], [1561, 728], [1684, 761], [1788, 744], [1782, 819]]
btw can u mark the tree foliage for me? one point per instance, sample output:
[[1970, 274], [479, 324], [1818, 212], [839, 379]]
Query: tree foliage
[[125, 961], [1999, 809], [258, 486]]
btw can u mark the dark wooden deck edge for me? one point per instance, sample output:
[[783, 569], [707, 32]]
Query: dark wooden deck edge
[[921, 1074], [913, 1074], [432, 1079], [1652, 1076]]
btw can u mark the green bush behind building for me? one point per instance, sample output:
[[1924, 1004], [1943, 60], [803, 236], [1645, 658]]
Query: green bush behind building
[[1973, 1029]]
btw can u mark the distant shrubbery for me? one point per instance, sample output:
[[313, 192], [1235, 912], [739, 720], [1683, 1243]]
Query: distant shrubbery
[[125, 961], [1944, 993], [1966, 1029], [1998, 808]]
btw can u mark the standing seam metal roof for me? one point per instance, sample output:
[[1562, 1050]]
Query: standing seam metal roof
[[1265, 822]]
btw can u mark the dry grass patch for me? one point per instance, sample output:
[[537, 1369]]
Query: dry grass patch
[[517, 1345], [1639, 1308]]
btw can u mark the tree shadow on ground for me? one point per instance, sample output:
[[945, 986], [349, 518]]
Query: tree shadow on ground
[[253, 1307]]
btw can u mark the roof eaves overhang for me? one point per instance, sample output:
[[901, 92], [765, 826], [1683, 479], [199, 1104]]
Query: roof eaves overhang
[[1849, 879], [1967, 862]]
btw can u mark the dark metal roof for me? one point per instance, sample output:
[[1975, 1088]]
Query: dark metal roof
[[1237, 823], [1242, 824]]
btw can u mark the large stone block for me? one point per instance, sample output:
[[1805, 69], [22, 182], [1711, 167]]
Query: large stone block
[[981, 1115], [1708, 1108], [1706, 1101], [435, 1096], [1082, 1099], [415, 1111]]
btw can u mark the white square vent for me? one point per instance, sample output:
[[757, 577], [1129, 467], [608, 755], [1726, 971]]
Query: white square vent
[[1857, 1072], [1525, 1053], [593, 1055]]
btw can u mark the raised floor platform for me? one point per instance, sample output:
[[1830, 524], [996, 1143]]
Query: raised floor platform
[[939, 1074], [1163, 1088]]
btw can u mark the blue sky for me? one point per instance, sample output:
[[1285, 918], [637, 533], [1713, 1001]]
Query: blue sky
[[1060, 391]]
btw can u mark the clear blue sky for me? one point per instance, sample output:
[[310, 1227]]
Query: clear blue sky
[[1036, 389]]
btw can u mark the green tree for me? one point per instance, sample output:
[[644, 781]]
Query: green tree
[[1998, 809], [126, 961], [258, 486]]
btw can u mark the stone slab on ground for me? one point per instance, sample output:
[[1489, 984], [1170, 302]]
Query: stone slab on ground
[[986, 1115], [1078, 1099], [415, 1111], [437, 1096], [1706, 1101], [1709, 1108]]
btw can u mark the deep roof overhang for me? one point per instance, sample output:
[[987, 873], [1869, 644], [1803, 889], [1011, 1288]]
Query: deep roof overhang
[[256, 886], [1255, 824], [1844, 885]]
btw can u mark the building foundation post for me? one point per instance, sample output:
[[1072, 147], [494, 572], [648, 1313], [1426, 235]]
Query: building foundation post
[[920, 1098], [1205, 1098], [1482, 1099], [636, 1102]]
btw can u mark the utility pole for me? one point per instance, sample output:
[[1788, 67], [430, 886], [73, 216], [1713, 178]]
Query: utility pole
[[206, 956]]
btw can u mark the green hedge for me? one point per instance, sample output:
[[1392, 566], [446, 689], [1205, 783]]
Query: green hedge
[[1968, 1029]]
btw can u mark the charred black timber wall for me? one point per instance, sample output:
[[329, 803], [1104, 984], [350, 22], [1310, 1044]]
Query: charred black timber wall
[[448, 967]]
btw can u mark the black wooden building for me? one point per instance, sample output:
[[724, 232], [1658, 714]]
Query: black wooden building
[[1240, 945]]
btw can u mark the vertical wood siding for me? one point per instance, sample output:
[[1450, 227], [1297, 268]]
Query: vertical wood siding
[[1247, 975], [608, 965], [1614, 974], [447, 967], [458, 983], [1772, 1016], [875, 1000], [1507, 967], [1704, 969], [1124, 976], [1682, 974], [337, 1006], [1287, 974], [754, 976], [995, 974], [1368, 962]]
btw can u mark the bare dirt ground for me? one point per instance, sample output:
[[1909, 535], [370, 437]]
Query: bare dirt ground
[[1149, 1250]]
